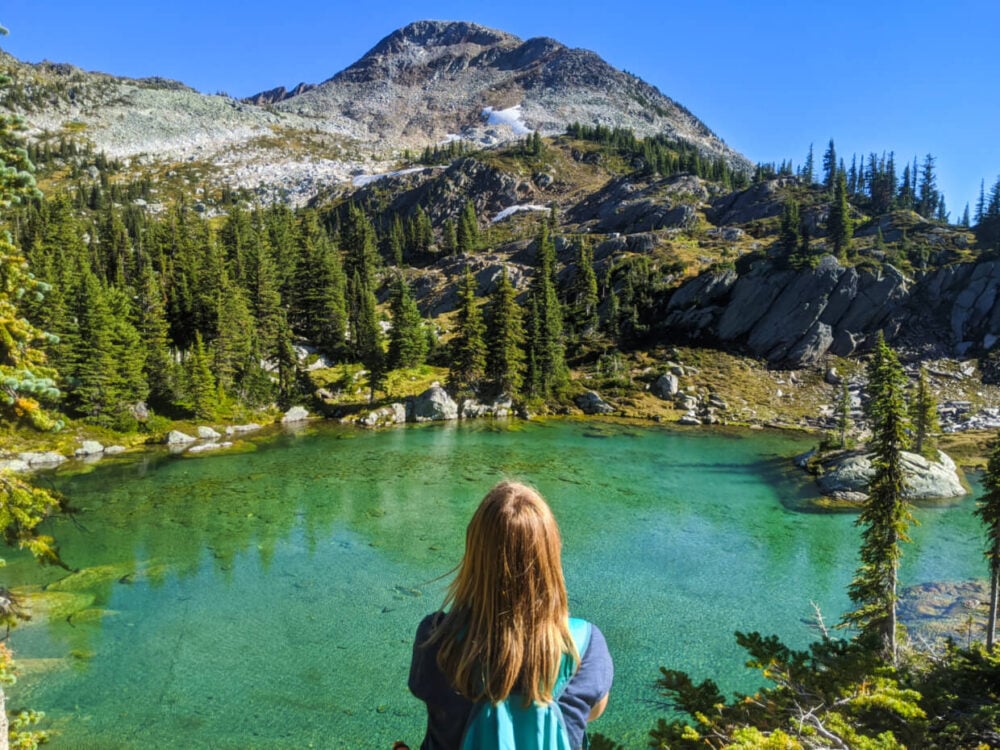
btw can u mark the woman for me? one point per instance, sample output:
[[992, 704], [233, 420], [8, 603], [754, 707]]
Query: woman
[[505, 630]]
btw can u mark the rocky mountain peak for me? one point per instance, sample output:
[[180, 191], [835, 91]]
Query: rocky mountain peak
[[428, 34]]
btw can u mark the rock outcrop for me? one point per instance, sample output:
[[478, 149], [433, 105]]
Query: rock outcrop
[[845, 475], [431, 405], [791, 318]]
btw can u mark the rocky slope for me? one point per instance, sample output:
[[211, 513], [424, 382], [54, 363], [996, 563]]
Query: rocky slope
[[432, 80], [424, 84]]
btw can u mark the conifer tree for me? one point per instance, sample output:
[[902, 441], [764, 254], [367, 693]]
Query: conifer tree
[[396, 240], [366, 335], [808, 169], [886, 514], [546, 364], [928, 196], [791, 233], [988, 510], [318, 309], [924, 417], [234, 341], [468, 359], [583, 291], [93, 370], [199, 382], [981, 202], [840, 227], [830, 167], [468, 229], [449, 237], [407, 342], [505, 339], [151, 324]]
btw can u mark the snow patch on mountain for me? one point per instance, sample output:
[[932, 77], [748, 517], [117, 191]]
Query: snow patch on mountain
[[511, 117], [511, 210]]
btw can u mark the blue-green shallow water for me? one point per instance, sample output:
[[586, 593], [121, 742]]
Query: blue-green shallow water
[[268, 599]]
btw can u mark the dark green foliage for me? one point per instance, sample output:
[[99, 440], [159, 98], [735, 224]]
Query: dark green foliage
[[791, 232], [885, 516], [199, 383], [924, 417], [840, 226], [468, 229], [582, 297], [366, 333], [317, 308], [546, 373], [928, 197], [831, 695], [660, 154], [468, 348], [961, 695], [407, 340], [830, 167], [988, 510], [505, 339]]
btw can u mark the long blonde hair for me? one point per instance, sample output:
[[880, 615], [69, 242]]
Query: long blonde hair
[[507, 621]]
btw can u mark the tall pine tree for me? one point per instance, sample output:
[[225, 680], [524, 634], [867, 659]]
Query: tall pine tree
[[468, 348], [885, 516], [505, 339]]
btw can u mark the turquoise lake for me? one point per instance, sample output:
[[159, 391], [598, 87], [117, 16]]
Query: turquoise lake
[[268, 598]]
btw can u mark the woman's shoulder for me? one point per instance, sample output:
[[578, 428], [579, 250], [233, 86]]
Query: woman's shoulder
[[428, 624]]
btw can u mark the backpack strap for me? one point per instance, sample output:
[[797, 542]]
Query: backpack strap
[[580, 631]]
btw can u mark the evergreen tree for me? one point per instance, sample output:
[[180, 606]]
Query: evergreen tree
[[151, 324], [988, 510], [396, 240], [886, 514], [449, 237], [546, 365], [407, 342], [318, 308], [505, 339], [583, 291], [468, 358], [966, 220], [199, 382], [840, 227], [366, 335], [790, 235], [928, 196], [808, 169], [26, 381], [234, 341], [924, 417], [981, 202], [93, 371], [468, 229], [830, 167]]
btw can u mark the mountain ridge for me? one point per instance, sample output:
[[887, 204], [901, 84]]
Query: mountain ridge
[[425, 84]]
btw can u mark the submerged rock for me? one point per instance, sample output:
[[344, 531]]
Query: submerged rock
[[387, 415]]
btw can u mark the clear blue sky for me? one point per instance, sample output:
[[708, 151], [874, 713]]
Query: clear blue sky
[[769, 77]]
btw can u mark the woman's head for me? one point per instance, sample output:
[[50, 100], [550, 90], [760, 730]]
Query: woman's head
[[507, 625]]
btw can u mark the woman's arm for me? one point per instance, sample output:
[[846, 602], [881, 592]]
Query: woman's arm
[[599, 707]]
